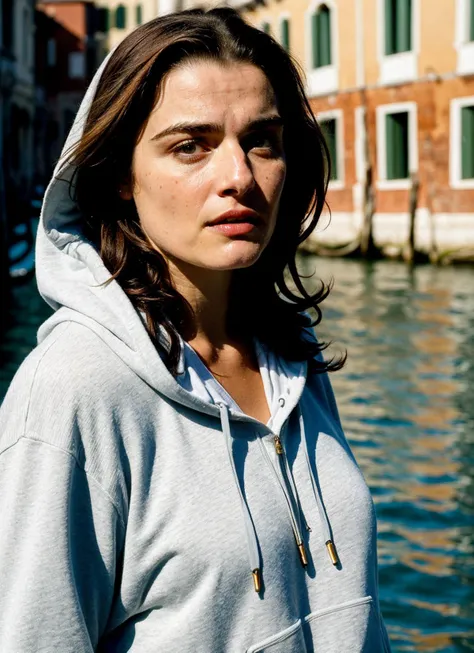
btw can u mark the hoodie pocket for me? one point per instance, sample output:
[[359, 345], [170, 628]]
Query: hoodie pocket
[[350, 627], [290, 640]]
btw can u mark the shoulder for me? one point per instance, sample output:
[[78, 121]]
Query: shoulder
[[63, 386], [75, 394]]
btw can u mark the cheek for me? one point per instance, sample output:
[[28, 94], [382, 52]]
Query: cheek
[[156, 195], [274, 182]]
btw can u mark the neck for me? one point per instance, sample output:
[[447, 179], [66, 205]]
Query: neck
[[207, 292]]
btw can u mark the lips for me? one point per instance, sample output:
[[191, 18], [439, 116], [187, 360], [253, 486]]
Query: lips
[[231, 217]]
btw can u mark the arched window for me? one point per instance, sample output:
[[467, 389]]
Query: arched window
[[139, 15], [321, 37], [285, 33], [120, 17]]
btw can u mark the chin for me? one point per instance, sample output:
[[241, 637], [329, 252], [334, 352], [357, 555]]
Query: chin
[[237, 257]]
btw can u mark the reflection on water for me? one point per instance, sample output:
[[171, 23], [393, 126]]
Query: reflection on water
[[406, 398]]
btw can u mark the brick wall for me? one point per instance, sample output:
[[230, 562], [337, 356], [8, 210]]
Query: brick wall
[[433, 109]]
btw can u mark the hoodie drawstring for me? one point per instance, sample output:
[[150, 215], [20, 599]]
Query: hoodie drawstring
[[291, 498], [250, 532], [317, 495]]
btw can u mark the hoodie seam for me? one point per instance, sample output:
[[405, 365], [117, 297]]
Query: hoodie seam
[[37, 440], [30, 392]]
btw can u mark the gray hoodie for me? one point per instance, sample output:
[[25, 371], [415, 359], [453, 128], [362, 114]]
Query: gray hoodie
[[141, 512]]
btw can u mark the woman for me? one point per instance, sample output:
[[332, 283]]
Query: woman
[[173, 474]]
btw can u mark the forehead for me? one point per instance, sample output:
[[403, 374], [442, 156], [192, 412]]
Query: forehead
[[214, 92]]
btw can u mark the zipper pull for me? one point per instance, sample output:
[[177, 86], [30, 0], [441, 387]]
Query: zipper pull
[[278, 445]]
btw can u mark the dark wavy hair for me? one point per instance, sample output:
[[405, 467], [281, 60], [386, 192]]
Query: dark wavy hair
[[268, 299]]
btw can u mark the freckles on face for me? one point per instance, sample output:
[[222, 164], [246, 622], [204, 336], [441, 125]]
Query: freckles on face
[[212, 145]]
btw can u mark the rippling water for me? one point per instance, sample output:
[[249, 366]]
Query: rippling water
[[406, 398]]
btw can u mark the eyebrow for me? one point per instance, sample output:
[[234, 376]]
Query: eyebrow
[[207, 128]]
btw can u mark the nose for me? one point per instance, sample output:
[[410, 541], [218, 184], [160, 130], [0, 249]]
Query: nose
[[234, 173]]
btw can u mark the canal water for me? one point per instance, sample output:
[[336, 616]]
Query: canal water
[[406, 397]]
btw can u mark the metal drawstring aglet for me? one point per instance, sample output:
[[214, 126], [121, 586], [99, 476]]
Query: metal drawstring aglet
[[302, 551], [332, 552], [257, 580]]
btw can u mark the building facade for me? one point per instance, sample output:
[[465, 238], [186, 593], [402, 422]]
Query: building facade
[[68, 50], [17, 103], [120, 17], [394, 93]]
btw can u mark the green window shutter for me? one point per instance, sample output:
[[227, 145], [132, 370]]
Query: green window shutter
[[403, 26], [396, 140], [139, 14], [285, 34], [103, 19], [324, 36], [467, 142], [120, 17], [314, 40], [265, 27], [390, 21], [329, 130], [471, 20]]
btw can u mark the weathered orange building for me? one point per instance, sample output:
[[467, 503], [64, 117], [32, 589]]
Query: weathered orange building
[[392, 81]]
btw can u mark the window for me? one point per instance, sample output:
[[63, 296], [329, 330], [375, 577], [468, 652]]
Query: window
[[76, 65], [331, 123], [321, 37], [464, 41], [103, 19], [471, 21], [139, 15], [329, 130], [51, 53], [467, 142], [285, 33], [461, 143], [120, 17], [25, 51], [360, 143], [398, 21], [397, 144], [8, 24]]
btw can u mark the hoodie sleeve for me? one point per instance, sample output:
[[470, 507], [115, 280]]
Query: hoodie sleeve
[[58, 551]]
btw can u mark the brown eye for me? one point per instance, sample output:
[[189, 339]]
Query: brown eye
[[262, 140], [189, 147], [265, 141]]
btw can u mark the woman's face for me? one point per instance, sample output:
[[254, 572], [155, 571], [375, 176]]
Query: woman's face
[[209, 168]]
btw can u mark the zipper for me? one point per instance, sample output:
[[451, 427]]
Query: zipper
[[278, 445], [280, 481], [293, 499]]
